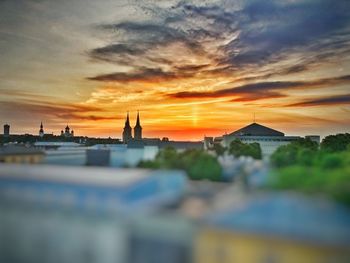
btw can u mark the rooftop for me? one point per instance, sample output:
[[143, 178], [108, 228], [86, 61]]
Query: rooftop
[[291, 216], [106, 177], [103, 189], [256, 129]]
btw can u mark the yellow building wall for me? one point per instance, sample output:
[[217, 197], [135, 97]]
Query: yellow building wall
[[218, 246]]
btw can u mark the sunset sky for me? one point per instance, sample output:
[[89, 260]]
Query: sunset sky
[[192, 68]]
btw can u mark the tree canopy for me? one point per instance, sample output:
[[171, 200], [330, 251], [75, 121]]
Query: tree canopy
[[300, 151], [219, 149], [336, 143], [303, 166], [197, 163], [238, 148]]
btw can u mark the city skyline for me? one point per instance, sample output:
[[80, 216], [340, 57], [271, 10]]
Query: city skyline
[[192, 68]]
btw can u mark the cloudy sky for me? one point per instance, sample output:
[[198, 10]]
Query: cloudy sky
[[192, 68]]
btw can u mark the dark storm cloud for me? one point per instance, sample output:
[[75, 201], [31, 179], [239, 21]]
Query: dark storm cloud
[[139, 38], [272, 29], [149, 32], [140, 75], [294, 69], [191, 68], [247, 92], [108, 52], [267, 32], [326, 101], [151, 74], [262, 90]]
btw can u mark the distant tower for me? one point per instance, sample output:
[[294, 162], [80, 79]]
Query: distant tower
[[138, 128], [72, 133], [41, 131], [127, 136], [6, 130], [67, 130]]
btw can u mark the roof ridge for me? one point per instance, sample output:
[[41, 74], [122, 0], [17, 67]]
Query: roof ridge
[[256, 129]]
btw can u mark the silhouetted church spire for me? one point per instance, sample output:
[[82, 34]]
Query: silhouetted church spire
[[41, 131], [127, 136], [138, 119], [127, 122], [138, 128]]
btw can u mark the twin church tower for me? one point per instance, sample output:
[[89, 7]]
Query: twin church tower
[[127, 132]]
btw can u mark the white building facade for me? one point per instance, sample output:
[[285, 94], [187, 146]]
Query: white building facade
[[269, 139], [268, 144]]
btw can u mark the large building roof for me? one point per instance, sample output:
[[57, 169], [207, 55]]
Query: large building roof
[[256, 129]]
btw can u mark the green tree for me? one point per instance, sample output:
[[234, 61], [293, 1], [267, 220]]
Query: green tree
[[149, 164], [205, 166], [305, 156], [197, 163], [336, 143], [301, 151], [219, 149], [254, 150], [167, 158], [331, 161], [312, 171], [306, 143], [238, 148], [284, 155]]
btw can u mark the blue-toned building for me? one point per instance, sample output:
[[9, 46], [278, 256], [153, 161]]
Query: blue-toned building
[[90, 187], [282, 227], [166, 238], [81, 214]]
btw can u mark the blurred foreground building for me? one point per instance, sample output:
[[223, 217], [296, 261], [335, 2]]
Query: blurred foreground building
[[282, 228], [103, 215], [20, 155], [89, 187], [84, 214]]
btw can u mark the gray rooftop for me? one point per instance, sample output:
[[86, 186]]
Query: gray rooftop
[[256, 129]]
